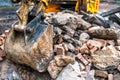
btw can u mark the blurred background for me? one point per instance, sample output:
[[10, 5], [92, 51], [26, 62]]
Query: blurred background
[[9, 4], [8, 11]]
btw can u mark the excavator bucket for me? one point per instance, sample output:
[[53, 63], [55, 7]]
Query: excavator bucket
[[33, 47]]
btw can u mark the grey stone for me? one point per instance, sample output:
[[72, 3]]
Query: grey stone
[[77, 43], [57, 30], [66, 37], [117, 76], [68, 30], [70, 72], [71, 47], [84, 23], [84, 36], [61, 19], [90, 75]]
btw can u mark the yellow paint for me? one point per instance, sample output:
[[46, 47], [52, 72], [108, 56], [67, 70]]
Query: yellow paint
[[52, 8], [77, 5], [93, 5]]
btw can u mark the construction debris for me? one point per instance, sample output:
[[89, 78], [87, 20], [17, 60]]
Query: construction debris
[[71, 72], [82, 51]]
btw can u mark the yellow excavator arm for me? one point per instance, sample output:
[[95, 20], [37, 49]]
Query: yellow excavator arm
[[24, 11], [93, 5]]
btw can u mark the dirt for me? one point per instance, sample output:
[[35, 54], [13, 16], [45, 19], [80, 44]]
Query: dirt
[[104, 6]]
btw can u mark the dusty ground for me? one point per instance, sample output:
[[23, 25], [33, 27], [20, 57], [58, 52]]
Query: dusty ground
[[108, 6]]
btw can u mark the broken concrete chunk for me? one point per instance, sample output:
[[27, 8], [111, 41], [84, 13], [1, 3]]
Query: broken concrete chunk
[[102, 41], [109, 34], [90, 75], [85, 24], [94, 28], [62, 60], [108, 58], [70, 72], [88, 67], [100, 73], [66, 37], [111, 42], [57, 30], [82, 66], [62, 19], [71, 47], [68, 30], [56, 65], [81, 58], [77, 43], [53, 69], [116, 76]]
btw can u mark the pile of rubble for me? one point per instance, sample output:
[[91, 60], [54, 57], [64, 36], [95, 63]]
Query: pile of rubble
[[94, 49], [82, 50]]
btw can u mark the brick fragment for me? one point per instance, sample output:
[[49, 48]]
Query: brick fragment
[[65, 47], [93, 49], [93, 43], [81, 58], [60, 40], [77, 50], [84, 49], [59, 49]]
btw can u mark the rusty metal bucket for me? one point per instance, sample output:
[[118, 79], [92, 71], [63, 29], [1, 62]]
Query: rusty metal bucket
[[35, 48]]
